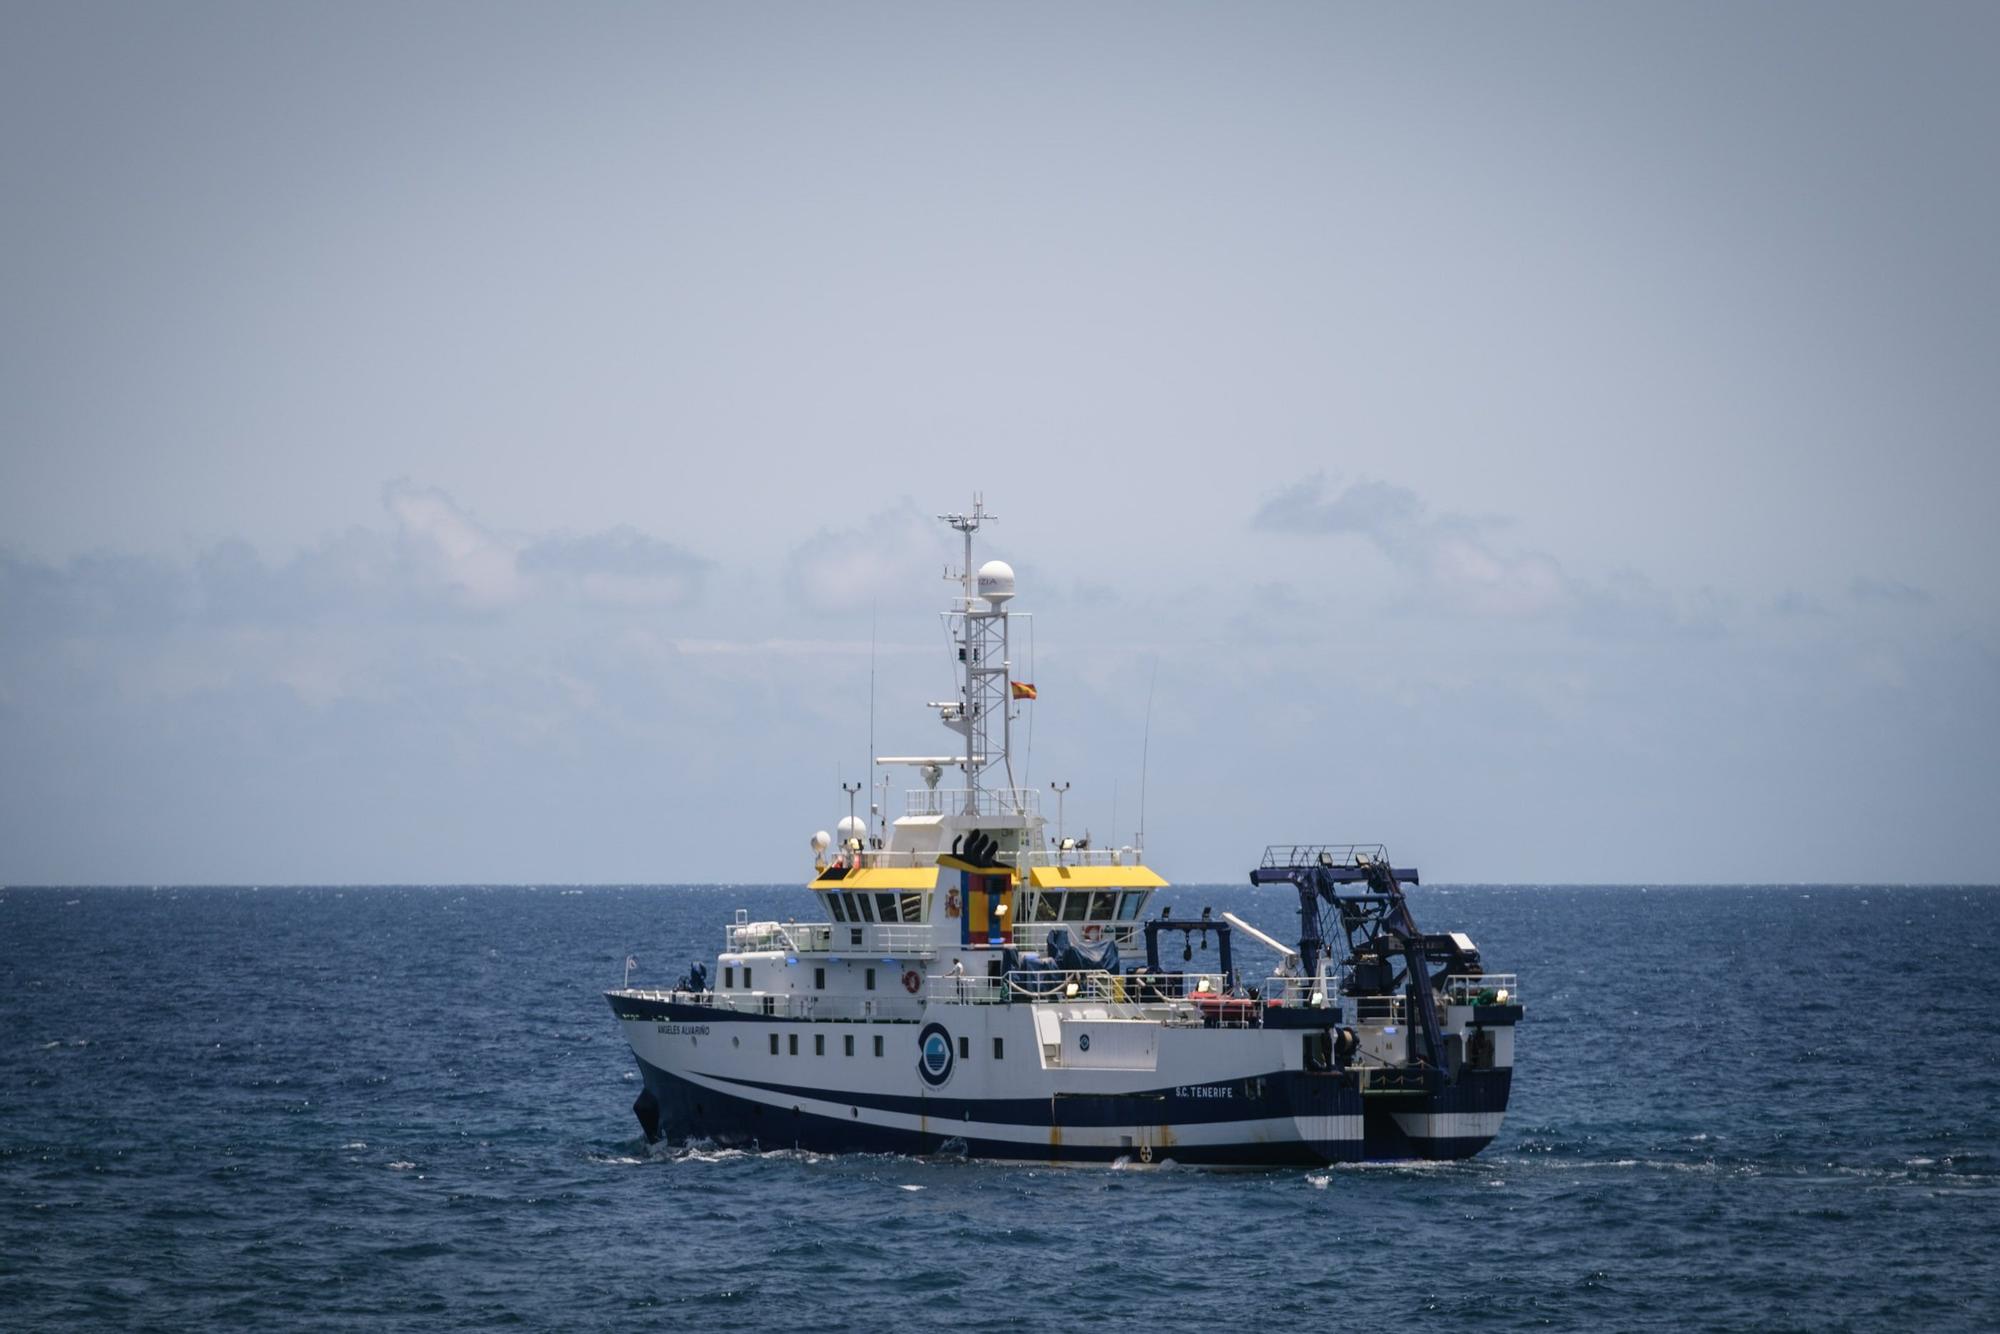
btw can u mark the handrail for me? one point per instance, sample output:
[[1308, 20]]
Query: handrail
[[1482, 989], [1035, 935], [988, 801], [1020, 860], [889, 1006], [837, 938], [1114, 996], [1323, 854]]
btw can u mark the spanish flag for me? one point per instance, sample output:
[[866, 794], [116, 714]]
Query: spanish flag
[[1023, 690]]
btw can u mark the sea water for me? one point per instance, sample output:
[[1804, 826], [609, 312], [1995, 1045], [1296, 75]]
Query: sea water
[[409, 1107]]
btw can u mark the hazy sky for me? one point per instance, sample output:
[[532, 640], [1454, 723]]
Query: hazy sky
[[470, 442]]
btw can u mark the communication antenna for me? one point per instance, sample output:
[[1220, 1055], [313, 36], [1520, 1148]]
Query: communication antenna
[[1145, 751], [874, 807], [852, 824], [1028, 764]]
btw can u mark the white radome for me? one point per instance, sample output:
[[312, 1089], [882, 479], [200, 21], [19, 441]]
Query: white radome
[[995, 582], [852, 826], [822, 840]]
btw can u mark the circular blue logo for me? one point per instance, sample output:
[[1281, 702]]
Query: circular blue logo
[[1083, 1042], [934, 1054]]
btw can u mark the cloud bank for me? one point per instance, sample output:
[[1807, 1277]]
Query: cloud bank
[[433, 698]]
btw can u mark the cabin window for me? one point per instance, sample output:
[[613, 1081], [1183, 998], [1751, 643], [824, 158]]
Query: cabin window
[[885, 907], [913, 907], [792, 1044], [729, 978], [836, 907], [1103, 906], [965, 1049], [1133, 903], [867, 907], [746, 977], [999, 1048], [854, 935], [878, 1044], [1048, 907], [871, 979], [774, 1044], [848, 1043], [819, 1044], [819, 979]]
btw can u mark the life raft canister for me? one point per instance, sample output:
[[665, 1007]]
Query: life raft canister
[[1093, 932], [912, 980]]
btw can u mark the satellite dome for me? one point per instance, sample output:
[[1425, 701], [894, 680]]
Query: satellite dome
[[821, 841], [996, 582], [852, 826]]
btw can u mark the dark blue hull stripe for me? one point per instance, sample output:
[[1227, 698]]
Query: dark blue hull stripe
[[689, 1110]]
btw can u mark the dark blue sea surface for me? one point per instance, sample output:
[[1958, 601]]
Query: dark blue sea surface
[[1735, 1108]]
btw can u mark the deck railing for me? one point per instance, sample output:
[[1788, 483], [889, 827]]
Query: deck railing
[[1118, 997], [1482, 989], [1292, 990], [1035, 935], [1128, 856], [990, 801], [889, 1005], [1020, 860], [1323, 854], [833, 938]]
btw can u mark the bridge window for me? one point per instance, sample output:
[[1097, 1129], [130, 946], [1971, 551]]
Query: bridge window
[[885, 907], [867, 906], [1075, 906], [836, 907], [913, 907], [1103, 906], [1131, 905], [1048, 907]]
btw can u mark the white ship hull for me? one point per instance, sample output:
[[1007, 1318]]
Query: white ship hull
[[1068, 1084]]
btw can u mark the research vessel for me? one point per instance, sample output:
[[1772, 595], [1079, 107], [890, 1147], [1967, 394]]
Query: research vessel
[[971, 985]]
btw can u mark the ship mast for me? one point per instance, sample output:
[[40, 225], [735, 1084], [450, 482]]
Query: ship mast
[[985, 683]]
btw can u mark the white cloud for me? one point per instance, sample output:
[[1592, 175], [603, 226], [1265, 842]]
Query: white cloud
[[445, 548], [1454, 563], [619, 568], [877, 563]]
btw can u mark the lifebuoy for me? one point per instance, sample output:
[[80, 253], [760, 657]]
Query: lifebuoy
[[912, 980], [1093, 932]]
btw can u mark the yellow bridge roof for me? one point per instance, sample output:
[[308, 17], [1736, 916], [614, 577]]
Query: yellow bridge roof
[[881, 877], [1094, 877]]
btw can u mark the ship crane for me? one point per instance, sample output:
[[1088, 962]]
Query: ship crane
[[1378, 927]]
